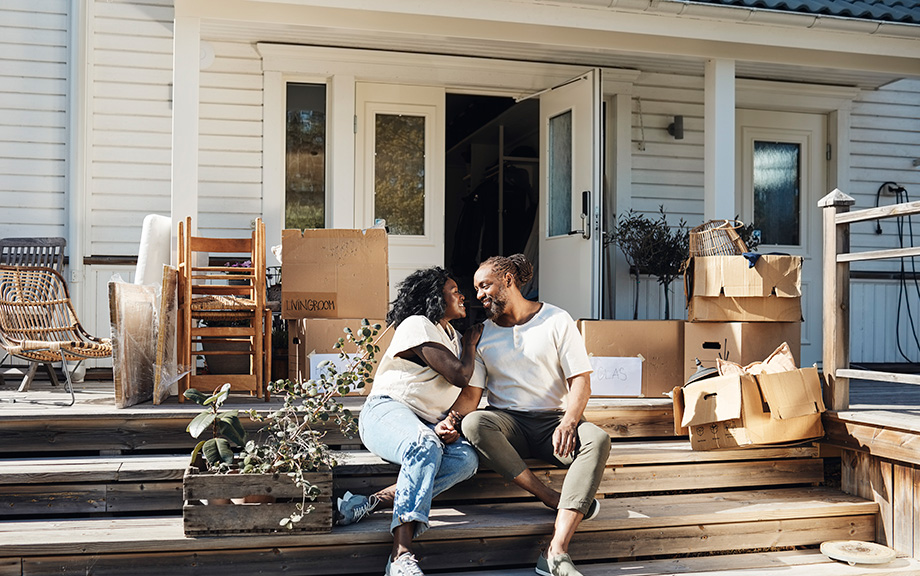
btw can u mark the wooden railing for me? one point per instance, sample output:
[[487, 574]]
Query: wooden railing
[[837, 258]]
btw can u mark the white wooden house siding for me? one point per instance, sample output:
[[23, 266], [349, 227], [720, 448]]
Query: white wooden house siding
[[230, 158], [885, 140], [34, 59]]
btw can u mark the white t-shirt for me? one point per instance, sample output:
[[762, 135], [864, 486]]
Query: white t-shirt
[[527, 367], [418, 386]]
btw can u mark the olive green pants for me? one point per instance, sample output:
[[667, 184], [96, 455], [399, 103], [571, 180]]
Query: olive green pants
[[504, 438]]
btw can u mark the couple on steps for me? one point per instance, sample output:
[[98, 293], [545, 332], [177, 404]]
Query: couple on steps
[[422, 411]]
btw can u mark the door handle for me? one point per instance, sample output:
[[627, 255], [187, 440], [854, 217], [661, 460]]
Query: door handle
[[585, 216]]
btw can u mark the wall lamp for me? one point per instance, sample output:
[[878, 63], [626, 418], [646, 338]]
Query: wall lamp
[[676, 128]]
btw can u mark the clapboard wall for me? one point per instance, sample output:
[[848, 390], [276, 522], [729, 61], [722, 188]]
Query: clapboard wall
[[34, 60]]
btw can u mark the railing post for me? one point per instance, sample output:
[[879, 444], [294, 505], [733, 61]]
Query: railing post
[[836, 324]]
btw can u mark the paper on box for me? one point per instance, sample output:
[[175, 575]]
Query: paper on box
[[728, 289], [615, 376], [741, 411], [334, 273], [660, 343]]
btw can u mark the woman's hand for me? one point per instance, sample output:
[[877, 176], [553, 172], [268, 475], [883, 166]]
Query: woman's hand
[[446, 429], [472, 335]]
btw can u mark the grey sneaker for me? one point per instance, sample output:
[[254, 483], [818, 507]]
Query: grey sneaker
[[559, 565], [405, 565], [353, 507]]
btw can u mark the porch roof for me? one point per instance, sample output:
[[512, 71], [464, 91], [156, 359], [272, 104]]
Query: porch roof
[[877, 10]]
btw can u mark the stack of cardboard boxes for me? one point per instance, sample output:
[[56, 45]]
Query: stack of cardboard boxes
[[741, 310], [332, 280]]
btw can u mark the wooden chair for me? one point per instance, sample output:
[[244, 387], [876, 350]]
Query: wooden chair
[[39, 251], [38, 322], [230, 301]]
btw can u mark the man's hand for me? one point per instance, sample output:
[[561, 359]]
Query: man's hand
[[564, 437], [446, 429]]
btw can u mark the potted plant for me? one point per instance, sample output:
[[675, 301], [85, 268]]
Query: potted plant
[[651, 247], [287, 459]]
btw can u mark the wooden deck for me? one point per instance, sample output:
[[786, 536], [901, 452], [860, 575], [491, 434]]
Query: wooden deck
[[92, 489]]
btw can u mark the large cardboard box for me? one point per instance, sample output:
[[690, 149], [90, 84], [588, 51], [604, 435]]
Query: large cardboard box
[[311, 340], [739, 342], [334, 274], [728, 289], [659, 343], [741, 411]]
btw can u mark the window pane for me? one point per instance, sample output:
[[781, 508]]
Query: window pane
[[560, 174], [777, 209], [399, 173], [305, 158]]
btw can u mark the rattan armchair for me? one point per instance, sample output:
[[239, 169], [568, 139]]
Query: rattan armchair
[[222, 310], [38, 322], [38, 251]]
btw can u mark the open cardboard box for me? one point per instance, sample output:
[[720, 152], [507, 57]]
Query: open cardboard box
[[728, 289], [740, 342], [743, 411]]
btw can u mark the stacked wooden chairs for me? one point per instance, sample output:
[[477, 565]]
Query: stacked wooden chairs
[[38, 322], [222, 311], [40, 251]]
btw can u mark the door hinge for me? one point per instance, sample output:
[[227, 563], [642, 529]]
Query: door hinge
[[828, 152], [355, 127]]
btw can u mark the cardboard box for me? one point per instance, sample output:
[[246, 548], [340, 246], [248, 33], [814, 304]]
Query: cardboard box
[[728, 289], [660, 343], [741, 411], [334, 274], [739, 342], [311, 340]]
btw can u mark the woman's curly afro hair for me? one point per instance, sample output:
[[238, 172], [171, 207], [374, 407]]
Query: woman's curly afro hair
[[420, 294]]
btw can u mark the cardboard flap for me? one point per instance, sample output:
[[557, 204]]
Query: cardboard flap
[[792, 394], [712, 400], [732, 276]]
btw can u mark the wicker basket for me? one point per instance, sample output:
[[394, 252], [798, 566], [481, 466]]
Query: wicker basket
[[717, 238]]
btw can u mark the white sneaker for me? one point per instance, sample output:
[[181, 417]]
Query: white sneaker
[[405, 565]]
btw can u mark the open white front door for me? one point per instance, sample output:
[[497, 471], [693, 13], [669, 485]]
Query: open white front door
[[570, 196]]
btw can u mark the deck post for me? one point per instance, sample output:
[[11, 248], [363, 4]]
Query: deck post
[[836, 324]]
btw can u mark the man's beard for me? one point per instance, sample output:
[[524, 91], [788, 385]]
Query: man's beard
[[498, 304]]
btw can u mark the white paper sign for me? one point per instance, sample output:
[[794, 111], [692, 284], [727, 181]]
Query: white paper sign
[[616, 376]]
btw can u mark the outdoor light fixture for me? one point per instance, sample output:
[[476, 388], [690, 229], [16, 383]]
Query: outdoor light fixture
[[676, 128]]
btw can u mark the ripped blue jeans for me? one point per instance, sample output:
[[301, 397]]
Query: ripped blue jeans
[[428, 467]]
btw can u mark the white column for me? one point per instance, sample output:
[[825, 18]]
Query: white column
[[273, 158], [186, 58], [719, 152], [622, 150], [341, 194], [80, 71]]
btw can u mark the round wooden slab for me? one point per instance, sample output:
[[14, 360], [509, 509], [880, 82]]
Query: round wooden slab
[[856, 552]]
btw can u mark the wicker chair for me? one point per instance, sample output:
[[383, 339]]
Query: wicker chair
[[230, 300], [38, 322], [39, 251]]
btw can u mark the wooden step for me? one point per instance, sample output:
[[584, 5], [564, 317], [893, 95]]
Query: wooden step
[[787, 562], [461, 538], [98, 425], [153, 483]]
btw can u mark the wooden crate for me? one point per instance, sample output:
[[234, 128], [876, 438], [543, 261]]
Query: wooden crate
[[202, 517]]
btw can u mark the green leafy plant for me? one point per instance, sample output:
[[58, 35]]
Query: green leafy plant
[[226, 428], [291, 438], [651, 247]]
